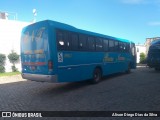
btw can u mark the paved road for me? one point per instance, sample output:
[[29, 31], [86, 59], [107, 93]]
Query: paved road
[[138, 91]]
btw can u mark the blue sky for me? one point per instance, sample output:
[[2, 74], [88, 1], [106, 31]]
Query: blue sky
[[135, 20]]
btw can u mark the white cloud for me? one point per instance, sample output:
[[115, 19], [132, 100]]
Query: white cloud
[[157, 23]]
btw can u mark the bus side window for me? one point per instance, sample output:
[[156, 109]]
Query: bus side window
[[67, 40], [111, 45], [91, 44], [105, 45], [99, 45], [127, 47], [124, 47], [116, 46], [74, 39], [82, 42], [63, 42], [60, 40], [121, 47]]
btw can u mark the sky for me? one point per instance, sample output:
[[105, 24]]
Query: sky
[[134, 20]]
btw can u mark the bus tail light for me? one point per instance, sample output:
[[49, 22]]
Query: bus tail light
[[50, 65]]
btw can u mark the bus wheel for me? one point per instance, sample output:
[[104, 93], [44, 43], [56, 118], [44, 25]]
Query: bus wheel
[[128, 69], [97, 75]]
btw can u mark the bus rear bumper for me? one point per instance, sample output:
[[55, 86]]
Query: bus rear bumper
[[40, 78]]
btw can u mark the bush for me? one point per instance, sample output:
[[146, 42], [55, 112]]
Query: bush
[[2, 69], [2, 59], [14, 69], [142, 58], [2, 63], [143, 61], [13, 58]]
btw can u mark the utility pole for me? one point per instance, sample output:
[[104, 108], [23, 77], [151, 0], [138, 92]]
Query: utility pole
[[34, 15]]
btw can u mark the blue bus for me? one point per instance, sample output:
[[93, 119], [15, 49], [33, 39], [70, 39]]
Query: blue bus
[[57, 52], [153, 57]]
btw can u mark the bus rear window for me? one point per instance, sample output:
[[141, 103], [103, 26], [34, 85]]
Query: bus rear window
[[34, 41]]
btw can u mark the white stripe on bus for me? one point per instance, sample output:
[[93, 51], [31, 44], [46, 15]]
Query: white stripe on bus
[[79, 65]]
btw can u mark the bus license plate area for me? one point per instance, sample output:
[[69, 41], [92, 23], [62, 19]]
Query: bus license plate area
[[33, 68]]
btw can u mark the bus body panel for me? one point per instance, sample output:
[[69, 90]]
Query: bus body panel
[[78, 65], [75, 68]]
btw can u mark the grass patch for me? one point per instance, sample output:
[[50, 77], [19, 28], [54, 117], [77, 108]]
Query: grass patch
[[9, 74]]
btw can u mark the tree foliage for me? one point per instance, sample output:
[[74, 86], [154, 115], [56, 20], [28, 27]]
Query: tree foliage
[[13, 58], [142, 58]]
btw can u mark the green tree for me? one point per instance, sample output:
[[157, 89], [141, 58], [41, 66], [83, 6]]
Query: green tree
[[142, 58], [2, 63], [13, 58]]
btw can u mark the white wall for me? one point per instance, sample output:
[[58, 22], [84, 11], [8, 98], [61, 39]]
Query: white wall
[[10, 35], [140, 49]]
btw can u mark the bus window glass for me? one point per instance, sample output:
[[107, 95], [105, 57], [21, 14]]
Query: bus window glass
[[116, 46], [124, 47], [74, 38], [60, 40], [99, 45], [41, 39], [63, 41], [26, 40], [111, 45], [121, 46], [82, 42], [91, 44], [67, 41], [105, 45], [127, 47]]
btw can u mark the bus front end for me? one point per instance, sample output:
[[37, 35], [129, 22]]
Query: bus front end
[[36, 61], [153, 58]]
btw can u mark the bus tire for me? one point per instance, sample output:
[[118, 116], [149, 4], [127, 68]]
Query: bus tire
[[97, 75], [128, 69]]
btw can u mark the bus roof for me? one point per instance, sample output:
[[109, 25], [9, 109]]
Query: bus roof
[[74, 29], [155, 42]]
